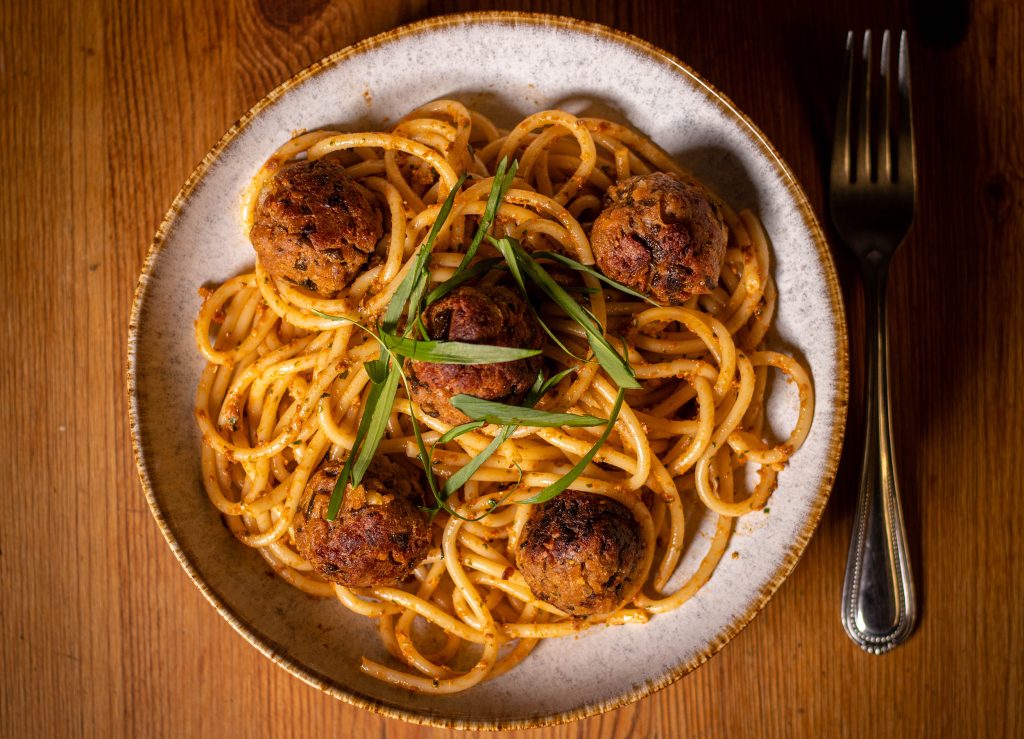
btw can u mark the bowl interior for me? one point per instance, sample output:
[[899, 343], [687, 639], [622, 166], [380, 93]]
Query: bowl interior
[[507, 67]]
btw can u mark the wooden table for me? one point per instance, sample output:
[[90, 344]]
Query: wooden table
[[106, 108]]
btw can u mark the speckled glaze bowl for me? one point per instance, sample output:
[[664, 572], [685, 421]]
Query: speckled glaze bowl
[[507, 65]]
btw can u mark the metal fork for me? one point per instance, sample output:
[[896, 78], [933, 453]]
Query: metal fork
[[872, 202]]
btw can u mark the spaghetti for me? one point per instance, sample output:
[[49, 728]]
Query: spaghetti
[[285, 383]]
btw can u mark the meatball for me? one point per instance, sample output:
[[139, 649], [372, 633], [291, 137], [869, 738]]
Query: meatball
[[580, 551], [661, 235], [314, 226], [379, 535], [499, 317]]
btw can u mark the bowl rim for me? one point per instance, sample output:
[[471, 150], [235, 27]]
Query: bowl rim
[[276, 652]]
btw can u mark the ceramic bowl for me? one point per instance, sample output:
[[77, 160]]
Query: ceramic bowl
[[508, 65]]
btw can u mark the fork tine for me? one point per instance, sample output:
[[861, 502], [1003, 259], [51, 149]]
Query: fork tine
[[905, 141], [864, 133], [884, 161], [841, 143]]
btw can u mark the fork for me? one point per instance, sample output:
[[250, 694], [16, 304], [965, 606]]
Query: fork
[[872, 203]]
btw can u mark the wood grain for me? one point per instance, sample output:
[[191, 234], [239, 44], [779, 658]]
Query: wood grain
[[107, 106]]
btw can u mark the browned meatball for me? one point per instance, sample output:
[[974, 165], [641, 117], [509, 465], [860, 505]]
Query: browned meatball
[[499, 317], [661, 235], [580, 551], [379, 535], [314, 226]]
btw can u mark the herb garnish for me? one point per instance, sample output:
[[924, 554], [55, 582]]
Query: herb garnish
[[579, 267], [413, 342], [611, 361], [453, 352], [500, 413], [566, 480]]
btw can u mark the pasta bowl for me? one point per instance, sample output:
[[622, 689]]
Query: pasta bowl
[[558, 63]]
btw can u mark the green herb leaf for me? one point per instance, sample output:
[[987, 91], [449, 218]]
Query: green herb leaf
[[377, 369], [491, 412], [460, 478], [508, 252], [338, 494], [453, 433], [380, 413], [554, 338], [535, 388], [557, 487], [401, 297], [541, 386], [368, 435], [415, 301], [501, 184], [410, 291], [453, 352], [459, 278], [426, 458], [615, 365], [580, 267], [331, 317]]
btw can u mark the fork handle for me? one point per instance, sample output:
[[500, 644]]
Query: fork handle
[[879, 609]]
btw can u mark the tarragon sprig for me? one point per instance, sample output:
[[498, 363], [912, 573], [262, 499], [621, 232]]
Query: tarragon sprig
[[386, 372]]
